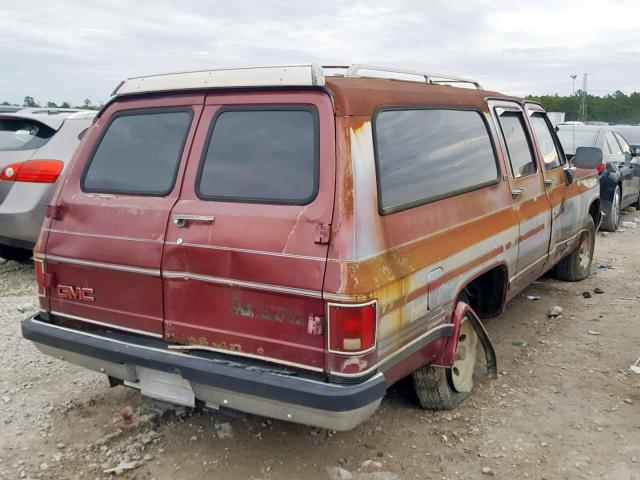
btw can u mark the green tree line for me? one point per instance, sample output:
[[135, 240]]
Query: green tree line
[[615, 108], [32, 103]]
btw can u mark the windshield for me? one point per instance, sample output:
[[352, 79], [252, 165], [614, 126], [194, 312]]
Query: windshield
[[571, 139], [19, 134]]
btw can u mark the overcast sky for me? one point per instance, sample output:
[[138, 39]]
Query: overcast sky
[[80, 49]]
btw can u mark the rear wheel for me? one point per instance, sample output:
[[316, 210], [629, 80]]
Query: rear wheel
[[439, 388], [577, 265], [612, 217]]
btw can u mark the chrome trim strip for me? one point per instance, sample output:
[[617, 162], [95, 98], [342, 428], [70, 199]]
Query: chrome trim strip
[[243, 354], [109, 266], [95, 235], [103, 324], [171, 352], [245, 250], [529, 267], [444, 326], [388, 358], [546, 256], [241, 283]]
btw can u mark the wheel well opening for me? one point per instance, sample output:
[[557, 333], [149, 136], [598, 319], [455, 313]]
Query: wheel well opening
[[594, 211], [486, 293]]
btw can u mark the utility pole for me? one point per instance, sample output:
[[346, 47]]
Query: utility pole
[[573, 95], [582, 113]]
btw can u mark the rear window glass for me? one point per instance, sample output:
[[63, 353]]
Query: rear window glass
[[572, 139], [426, 154], [261, 155], [139, 154], [18, 134]]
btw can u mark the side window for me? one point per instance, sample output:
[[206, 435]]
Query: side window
[[139, 154], [261, 155], [624, 146], [612, 146], [551, 156], [426, 154], [517, 141]]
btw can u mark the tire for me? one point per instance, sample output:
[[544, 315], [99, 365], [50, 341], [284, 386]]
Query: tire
[[612, 217], [439, 388], [14, 253], [577, 265]]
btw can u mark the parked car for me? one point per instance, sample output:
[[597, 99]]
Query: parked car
[[619, 172], [35, 145], [632, 134], [10, 108], [290, 244]]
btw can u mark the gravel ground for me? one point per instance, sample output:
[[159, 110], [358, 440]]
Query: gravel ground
[[565, 405]]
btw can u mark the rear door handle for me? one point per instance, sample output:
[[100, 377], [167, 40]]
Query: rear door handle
[[518, 191], [181, 220], [549, 181]]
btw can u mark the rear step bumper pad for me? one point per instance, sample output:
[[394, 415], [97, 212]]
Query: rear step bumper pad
[[231, 384]]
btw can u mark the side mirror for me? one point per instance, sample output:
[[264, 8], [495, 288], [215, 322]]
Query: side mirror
[[587, 157], [635, 150]]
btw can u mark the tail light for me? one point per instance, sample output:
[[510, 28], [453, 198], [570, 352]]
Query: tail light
[[40, 278], [601, 168], [33, 171], [352, 328]]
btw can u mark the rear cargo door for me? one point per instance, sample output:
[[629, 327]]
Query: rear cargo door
[[246, 247], [104, 247]]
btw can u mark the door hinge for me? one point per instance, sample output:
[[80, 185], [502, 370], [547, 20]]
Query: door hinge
[[54, 211], [323, 233], [49, 280]]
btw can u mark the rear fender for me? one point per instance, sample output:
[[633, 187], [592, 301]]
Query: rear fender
[[464, 313]]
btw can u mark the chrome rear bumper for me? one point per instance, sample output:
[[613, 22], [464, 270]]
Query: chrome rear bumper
[[216, 380]]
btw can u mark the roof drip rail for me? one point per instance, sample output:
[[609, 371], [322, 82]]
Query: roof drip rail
[[434, 78]]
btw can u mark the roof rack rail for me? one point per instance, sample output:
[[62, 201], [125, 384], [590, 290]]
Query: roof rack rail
[[435, 78], [291, 75], [304, 75]]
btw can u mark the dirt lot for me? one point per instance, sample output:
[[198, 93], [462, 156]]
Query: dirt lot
[[565, 405]]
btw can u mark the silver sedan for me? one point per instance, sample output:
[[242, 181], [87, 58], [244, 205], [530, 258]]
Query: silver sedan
[[36, 144]]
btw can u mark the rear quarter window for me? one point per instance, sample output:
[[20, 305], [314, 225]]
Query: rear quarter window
[[261, 155], [423, 155], [19, 134], [139, 153]]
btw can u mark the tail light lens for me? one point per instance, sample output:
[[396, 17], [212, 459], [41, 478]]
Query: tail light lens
[[352, 328], [33, 171], [601, 168], [40, 280]]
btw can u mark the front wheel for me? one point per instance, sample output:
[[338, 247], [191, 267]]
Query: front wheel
[[577, 265], [439, 388], [612, 217]]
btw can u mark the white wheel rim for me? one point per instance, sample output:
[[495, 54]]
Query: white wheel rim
[[616, 207], [464, 365], [584, 254]]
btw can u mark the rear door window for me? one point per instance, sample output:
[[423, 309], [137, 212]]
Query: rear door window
[[624, 146], [19, 134], [518, 145], [261, 155], [611, 145], [139, 154], [426, 154]]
